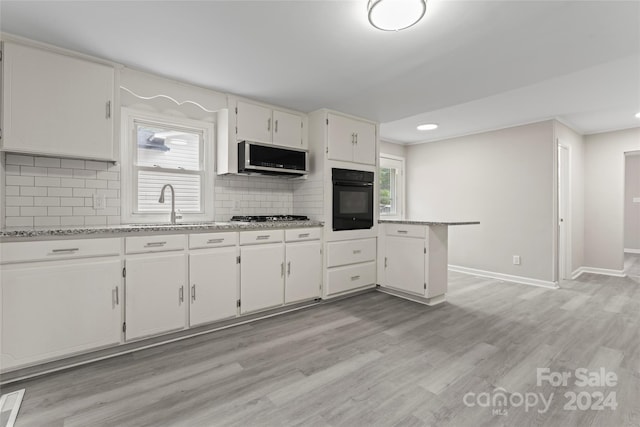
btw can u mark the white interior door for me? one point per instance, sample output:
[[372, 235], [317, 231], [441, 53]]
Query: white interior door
[[564, 240]]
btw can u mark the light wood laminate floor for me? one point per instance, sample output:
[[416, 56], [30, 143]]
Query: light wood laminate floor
[[372, 360]]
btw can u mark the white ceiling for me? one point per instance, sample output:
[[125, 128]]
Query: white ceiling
[[468, 66]]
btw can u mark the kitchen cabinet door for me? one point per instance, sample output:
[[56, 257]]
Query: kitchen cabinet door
[[364, 150], [58, 308], [56, 104], [156, 294], [254, 123], [213, 276], [304, 275], [404, 264], [287, 129], [261, 277], [341, 134]]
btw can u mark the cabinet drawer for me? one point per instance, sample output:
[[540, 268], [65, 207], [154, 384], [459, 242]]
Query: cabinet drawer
[[418, 231], [300, 234], [163, 243], [261, 236], [344, 279], [212, 240], [350, 252], [57, 249]]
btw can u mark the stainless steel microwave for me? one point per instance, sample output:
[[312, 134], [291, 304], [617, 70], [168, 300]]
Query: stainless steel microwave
[[267, 159]]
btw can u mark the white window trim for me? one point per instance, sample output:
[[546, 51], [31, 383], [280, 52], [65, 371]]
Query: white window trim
[[402, 190], [127, 173]]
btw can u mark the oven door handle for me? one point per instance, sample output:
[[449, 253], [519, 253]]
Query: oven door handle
[[352, 184]]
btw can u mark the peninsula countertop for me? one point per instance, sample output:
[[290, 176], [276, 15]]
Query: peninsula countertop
[[17, 234], [421, 222]]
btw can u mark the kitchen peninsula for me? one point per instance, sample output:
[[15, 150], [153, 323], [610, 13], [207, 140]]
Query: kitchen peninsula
[[412, 259]]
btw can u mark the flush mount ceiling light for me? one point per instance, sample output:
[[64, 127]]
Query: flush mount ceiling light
[[395, 15], [428, 126], [638, 115]]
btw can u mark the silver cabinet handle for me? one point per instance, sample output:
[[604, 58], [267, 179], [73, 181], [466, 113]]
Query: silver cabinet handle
[[385, 262], [155, 244], [356, 137], [63, 251], [215, 240], [108, 110], [193, 292], [402, 231], [303, 235], [117, 291], [275, 129], [355, 277], [289, 268], [356, 251], [282, 269], [181, 294], [353, 138], [262, 237], [269, 124]]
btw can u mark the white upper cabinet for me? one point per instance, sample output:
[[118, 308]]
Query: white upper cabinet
[[56, 104], [269, 126], [351, 140]]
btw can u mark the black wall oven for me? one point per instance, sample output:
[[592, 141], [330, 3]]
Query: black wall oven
[[352, 199]]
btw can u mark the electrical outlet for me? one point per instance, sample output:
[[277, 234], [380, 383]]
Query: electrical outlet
[[516, 260], [99, 201]]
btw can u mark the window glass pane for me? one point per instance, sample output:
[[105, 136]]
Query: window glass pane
[[187, 189], [388, 191], [168, 148]]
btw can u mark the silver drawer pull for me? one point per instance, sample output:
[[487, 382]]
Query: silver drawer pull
[[215, 240], [402, 231], [357, 251], [181, 294], [193, 292], [154, 244], [262, 237], [303, 235], [355, 277], [62, 251]]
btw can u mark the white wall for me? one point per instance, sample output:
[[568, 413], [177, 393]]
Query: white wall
[[393, 149], [505, 180], [631, 208], [604, 197], [575, 142]]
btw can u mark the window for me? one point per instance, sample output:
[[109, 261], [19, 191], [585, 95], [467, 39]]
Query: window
[[159, 150], [391, 176]]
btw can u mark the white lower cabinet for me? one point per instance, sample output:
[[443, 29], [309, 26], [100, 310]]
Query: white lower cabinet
[[156, 294], [261, 276], [405, 264], [350, 265], [213, 277], [304, 271], [58, 308]]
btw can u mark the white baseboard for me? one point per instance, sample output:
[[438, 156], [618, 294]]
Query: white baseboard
[[505, 277], [631, 251], [593, 270]]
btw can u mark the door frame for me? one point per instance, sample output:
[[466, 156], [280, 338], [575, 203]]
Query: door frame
[[565, 271]]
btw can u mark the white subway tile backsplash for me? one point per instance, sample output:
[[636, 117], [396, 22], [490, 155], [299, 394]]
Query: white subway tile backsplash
[[19, 180], [18, 159], [72, 182], [95, 220], [40, 221], [72, 220], [47, 162], [71, 201], [60, 173], [93, 165], [83, 192], [59, 192], [12, 211], [19, 221], [72, 164], [18, 201], [81, 173], [33, 211], [12, 170], [84, 211], [11, 190], [111, 176], [32, 171], [95, 183], [47, 182], [60, 211]]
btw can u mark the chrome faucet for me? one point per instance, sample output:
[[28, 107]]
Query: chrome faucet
[[173, 201]]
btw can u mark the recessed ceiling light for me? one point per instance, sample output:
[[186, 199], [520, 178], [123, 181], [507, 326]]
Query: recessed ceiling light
[[638, 115], [395, 15], [428, 126]]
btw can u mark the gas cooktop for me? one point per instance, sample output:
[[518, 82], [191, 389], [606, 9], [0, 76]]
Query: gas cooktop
[[268, 218]]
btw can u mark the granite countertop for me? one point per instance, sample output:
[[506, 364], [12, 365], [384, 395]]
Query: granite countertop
[[45, 233], [418, 222]]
